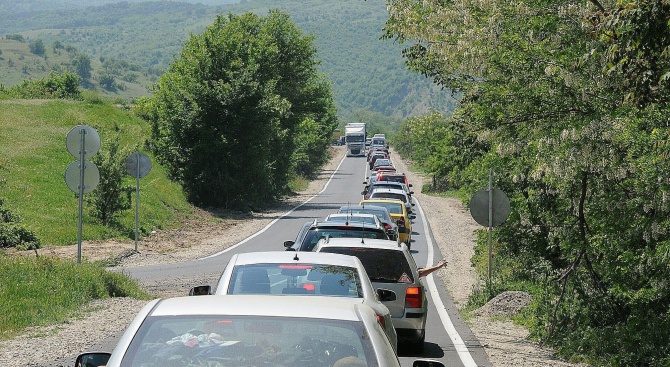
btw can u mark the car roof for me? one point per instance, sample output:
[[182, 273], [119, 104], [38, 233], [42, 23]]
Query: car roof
[[279, 257], [238, 305], [327, 224]]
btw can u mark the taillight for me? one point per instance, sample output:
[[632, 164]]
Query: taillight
[[387, 226], [413, 297], [381, 321]]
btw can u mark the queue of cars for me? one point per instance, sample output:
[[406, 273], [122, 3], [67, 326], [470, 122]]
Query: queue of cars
[[347, 292]]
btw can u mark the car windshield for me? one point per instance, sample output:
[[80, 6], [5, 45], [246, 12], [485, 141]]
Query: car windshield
[[382, 265], [400, 179], [393, 208], [246, 341], [300, 279], [314, 235]]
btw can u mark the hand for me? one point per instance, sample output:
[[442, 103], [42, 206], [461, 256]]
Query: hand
[[442, 263]]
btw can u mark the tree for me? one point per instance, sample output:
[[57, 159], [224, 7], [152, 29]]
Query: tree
[[37, 47], [566, 102], [82, 66], [226, 113]]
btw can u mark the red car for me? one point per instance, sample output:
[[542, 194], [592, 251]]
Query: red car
[[392, 176]]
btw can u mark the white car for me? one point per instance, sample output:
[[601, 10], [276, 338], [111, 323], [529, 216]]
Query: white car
[[251, 330], [307, 274], [390, 266]]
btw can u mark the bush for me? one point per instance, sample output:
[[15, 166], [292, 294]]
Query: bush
[[64, 85]]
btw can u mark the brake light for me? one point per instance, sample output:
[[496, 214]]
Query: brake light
[[309, 287], [387, 226], [413, 297], [381, 321]]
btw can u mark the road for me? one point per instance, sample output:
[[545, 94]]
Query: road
[[448, 339]]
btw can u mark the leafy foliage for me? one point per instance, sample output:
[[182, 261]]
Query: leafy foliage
[[111, 196], [226, 114], [575, 128], [63, 85]]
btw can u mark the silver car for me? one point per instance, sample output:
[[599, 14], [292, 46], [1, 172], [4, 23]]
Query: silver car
[[390, 266], [252, 330], [307, 274]]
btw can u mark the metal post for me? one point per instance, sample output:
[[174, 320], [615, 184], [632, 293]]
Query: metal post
[[137, 201], [490, 222], [82, 167]]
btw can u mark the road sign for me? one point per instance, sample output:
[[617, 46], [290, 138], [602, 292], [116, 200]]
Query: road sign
[[138, 165], [73, 177], [479, 207], [82, 136]]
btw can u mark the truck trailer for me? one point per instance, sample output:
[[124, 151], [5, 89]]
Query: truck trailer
[[355, 135]]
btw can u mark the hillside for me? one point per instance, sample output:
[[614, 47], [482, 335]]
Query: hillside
[[33, 160], [366, 73]]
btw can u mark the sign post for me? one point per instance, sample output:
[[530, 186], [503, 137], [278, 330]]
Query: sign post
[[82, 176], [138, 165], [490, 208]]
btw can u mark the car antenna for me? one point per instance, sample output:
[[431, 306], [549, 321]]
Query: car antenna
[[296, 257], [363, 240]]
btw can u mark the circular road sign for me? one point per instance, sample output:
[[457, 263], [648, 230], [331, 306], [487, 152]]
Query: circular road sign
[[141, 159], [479, 207], [91, 141], [91, 176]]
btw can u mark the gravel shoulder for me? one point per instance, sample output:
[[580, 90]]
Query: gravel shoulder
[[452, 226]]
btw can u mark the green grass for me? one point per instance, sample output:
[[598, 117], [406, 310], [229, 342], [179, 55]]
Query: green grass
[[34, 157], [45, 291]]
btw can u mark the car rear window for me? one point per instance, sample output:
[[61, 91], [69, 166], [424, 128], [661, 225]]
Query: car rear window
[[292, 279], [314, 235], [387, 195], [382, 265], [393, 208]]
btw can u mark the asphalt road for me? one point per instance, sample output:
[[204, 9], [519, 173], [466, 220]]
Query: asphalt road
[[448, 339]]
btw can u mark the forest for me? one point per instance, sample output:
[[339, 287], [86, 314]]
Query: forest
[[567, 103]]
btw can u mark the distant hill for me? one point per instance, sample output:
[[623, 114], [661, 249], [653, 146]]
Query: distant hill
[[366, 73]]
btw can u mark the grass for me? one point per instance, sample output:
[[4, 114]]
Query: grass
[[45, 291], [34, 157]]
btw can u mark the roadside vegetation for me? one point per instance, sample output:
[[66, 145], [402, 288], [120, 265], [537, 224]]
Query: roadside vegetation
[[568, 103], [46, 291]]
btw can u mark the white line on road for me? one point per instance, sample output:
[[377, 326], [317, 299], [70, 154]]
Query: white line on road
[[459, 345], [276, 220]]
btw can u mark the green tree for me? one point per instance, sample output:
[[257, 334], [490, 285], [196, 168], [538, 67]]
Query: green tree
[[566, 102], [226, 113], [37, 47], [111, 196], [82, 66]]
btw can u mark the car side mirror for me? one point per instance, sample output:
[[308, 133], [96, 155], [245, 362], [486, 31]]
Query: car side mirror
[[412, 216], [411, 192], [200, 290], [410, 185], [386, 295], [363, 192], [93, 359], [427, 363], [288, 244]]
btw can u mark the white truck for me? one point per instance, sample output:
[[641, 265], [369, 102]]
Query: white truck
[[378, 140], [355, 135]]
